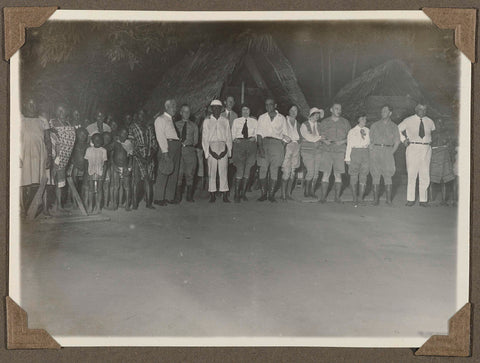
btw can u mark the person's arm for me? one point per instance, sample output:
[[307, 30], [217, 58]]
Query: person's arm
[[260, 132], [205, 138], [233, 130], [349, 147], [285, 136], [307, 135], [402, 128], [160, 135], [229, 138], [396, 141], [195, 135]]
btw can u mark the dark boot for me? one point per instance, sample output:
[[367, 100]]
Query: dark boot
[[376, 194], [361, 192], [190, 193], [338, 186], [289, 189], [238, 186], [271, 191], [178, 194], [243, 189], [284, 190], [388, 191], [225, 197], [324, 191], [212, 197], [263, 189], [354, 194], [312, 192], [308, 189]]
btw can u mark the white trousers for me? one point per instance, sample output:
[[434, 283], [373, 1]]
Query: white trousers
[[221, 165], [418, 165]]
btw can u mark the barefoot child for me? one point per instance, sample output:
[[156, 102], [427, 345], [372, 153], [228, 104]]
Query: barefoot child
[[122, 160], [78, 162], [95, 158]]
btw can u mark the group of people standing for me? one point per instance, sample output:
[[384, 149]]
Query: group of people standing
[[115, 164]]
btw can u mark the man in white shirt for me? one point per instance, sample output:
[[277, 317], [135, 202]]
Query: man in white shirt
[[291, 160], [272, 133], [310, 149], [217, 147], [169, 151], [416, 134], [357, 157], [99, 126], [244, 150]]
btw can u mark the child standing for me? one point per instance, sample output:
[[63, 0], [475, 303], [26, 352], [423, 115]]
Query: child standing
[[95, 157], [108, 145], [78, 162], [122, 169]]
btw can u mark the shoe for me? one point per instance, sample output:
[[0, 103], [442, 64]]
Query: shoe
[[212, 197], [424, 204], [225, 197], [410, 204], [161, 203], [263, 189], [172, 201]]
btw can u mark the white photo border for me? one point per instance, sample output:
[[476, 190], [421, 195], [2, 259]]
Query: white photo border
[[463, 226]]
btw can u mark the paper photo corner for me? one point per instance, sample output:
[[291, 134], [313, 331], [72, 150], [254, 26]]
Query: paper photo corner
[[19, 336], [457, 342]]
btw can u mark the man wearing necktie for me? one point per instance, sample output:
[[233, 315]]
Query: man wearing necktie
[[169, 150], [217, 147], [416, 134], [230, 115], [244, 150], [188, 134]]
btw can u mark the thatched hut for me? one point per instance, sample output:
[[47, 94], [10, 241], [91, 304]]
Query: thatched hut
[[242, 69], [389, 83]]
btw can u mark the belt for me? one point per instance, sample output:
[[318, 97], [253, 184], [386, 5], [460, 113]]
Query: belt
[[383, 145], [420, 143], [187, 145], [173, 140], [438, 147], [361, 148]]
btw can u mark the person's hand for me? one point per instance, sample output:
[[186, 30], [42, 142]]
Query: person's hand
[[287, 139], [57, 160], [406, 142]]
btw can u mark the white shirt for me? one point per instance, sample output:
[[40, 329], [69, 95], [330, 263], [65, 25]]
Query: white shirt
[[311, 137], [237, 127], [96, 157], [355, 140], [412, 126], [215, 130], [164, 130], [276, 128], [292, 131]]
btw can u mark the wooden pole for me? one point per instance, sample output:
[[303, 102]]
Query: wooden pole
[[76, 196], [37, 200]]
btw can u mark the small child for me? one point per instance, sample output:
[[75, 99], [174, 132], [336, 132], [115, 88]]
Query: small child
[[78, 162], [108, 145], [95, 158], [122, 169]]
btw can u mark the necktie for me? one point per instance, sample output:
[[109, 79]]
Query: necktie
[[362, 132], [421, 130], [184, 133], [245, 130]]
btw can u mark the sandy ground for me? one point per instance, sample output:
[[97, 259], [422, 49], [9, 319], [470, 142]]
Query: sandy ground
[[256, 269]]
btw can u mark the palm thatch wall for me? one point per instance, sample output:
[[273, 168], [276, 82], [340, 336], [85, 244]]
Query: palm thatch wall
[[390, 82], [201, 76]]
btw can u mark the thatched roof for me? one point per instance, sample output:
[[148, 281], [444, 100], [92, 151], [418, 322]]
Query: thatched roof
[[392, 81], [200, 77]]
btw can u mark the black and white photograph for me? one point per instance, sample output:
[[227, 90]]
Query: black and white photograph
[[240, 178]]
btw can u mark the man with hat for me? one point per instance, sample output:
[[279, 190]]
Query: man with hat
[[416, 134], [217, 147], [310, 149], [244, 150], [168, 155], [272, 133], [334, 130]]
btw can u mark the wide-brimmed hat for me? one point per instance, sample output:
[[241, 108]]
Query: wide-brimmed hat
[[216, 103], [314, 110]]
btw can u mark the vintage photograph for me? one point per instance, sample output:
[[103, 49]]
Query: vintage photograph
[[295, 181]]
